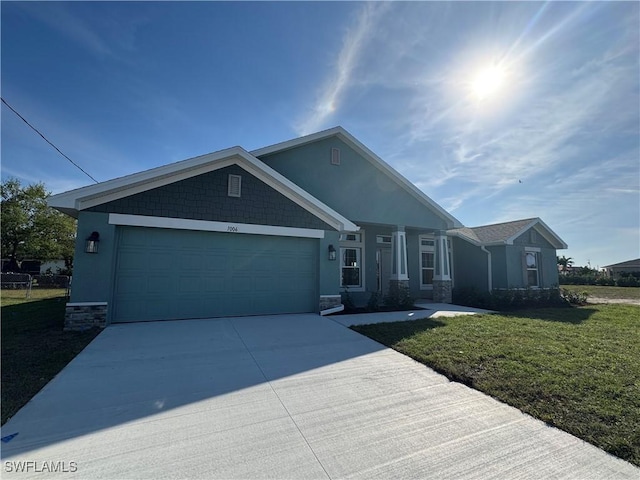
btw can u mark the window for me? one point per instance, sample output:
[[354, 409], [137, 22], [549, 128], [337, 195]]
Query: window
[[351, 237], [234, 185], [426, 268], [384, 239], [351, 267], [427, 262], [531, 260], [351, 261]]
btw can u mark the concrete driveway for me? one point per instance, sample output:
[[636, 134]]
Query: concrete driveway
[[293, 396]]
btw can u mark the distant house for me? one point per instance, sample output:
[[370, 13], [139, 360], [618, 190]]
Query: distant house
[[630, 266], [284, 229]]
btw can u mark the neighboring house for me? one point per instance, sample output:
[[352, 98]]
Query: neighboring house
[[630, 266], [283, 229]]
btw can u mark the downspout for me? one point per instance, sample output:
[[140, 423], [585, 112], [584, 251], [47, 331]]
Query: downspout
[[488, 266]]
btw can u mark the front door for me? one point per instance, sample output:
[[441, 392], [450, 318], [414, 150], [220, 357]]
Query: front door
[[383, 265]]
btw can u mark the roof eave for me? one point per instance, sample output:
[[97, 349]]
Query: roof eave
[[345, 136]]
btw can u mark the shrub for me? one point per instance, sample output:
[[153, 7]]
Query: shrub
[[508, 299], [373, 305], [628, 281], [574, 298], [347, 301]]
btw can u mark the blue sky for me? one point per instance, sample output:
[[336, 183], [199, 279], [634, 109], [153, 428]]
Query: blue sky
[[123, 87]]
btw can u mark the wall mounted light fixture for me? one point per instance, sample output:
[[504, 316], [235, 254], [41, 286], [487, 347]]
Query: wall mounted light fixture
[[91, 244], [332, 252]]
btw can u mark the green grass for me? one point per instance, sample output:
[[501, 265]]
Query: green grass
[[597, 291], [18, 296], [34, 346], [574, 368]]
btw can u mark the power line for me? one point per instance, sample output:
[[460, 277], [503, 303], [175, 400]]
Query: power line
[[46, 140]]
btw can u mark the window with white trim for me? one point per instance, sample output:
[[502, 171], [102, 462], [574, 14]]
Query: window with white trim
[[427, 262], [383, 239], [428, 259], [531, 260], [351, 261]]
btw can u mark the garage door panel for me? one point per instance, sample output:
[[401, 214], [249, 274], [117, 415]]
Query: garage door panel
[[158, 284], [171, 274], [215, 263], [212, 285]]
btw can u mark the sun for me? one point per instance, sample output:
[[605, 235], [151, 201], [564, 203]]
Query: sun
[[488, 82]]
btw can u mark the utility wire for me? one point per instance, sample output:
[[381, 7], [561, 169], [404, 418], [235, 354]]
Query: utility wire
[[46, 140]]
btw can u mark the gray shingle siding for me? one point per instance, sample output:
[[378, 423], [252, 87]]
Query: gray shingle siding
[[204, 197]]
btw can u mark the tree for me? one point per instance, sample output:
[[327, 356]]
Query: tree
[[32, 229], [565, 262]]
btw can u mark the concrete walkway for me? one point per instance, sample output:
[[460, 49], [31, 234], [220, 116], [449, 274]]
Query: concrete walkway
[[430, 310], [292, 396]]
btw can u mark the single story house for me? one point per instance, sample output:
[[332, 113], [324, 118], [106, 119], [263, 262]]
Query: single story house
[[283, 229], [628, 267]]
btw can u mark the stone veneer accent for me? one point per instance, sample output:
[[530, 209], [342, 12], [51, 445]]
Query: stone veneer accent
[[85, 315], [442, 291], [330, 301]]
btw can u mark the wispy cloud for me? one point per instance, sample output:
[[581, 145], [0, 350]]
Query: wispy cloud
[[340, 79], [59, 18]]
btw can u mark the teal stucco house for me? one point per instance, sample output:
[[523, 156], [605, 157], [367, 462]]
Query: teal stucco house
[[284, 229]]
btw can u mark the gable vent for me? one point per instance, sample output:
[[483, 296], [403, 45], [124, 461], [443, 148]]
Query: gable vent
[[335, 156], [234, 186]]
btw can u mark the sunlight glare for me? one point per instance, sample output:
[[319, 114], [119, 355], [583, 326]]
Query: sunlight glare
[[488, 82]]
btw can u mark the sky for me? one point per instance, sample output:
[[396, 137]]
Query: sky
[[498, 111]]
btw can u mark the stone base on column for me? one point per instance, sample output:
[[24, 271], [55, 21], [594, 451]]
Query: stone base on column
[[442, 291], [85, 315], [330, 301]]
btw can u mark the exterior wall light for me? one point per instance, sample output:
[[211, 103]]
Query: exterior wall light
[[91, 245], [332, 252]]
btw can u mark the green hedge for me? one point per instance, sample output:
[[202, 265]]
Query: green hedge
[[514, 299], [629, 280]]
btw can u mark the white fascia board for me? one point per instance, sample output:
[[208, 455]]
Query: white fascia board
[[296, 194], [369, 155], [544, 230], [92, 195], [208, 226], [123, 186]]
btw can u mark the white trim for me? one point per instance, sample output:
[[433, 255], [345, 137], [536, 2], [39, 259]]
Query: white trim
[[87, 304], [207, 226], [550, 236], [369, 155], [359, 245], [80, 199], [532, 249], [329, 311]]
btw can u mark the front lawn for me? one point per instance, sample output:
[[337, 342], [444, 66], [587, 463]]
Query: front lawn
[[575, 368], [34, 346], [612, 293]]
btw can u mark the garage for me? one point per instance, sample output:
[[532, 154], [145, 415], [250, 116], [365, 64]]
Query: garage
[[167, 274]]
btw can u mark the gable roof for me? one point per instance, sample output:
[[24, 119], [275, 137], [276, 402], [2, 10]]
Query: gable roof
[[73, 201], [375, 160], [628, 264], [505, 233]]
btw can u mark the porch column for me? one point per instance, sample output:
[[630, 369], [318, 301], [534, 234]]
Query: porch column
[[442, 284], [399, 273]]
